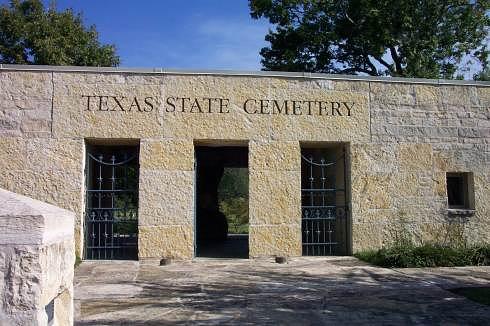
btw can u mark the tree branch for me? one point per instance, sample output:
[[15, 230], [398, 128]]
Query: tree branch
[[371, 65], [396, 60], [384, 63]]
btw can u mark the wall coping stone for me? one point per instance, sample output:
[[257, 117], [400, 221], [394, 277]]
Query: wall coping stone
[[280, 74], [25, 221]]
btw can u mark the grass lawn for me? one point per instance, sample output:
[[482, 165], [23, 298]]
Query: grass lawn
[[477, 294]]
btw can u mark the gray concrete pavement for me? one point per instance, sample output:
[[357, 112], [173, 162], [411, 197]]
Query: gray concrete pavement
[[305, 291]]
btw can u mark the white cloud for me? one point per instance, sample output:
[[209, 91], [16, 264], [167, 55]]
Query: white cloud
[[199, 42], [231, 44]]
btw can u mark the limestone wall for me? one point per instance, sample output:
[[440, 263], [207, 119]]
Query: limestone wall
[[274, 198], [36, 262], [418, 133], [33, 162], [166, 206], [403, 136]]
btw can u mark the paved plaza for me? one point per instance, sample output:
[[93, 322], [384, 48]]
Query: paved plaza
[[305, 291]]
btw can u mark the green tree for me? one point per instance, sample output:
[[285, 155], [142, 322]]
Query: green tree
[[31, 34], [407, 38], [233, 199]]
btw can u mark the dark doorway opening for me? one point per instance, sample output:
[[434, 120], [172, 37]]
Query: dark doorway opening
[[221, 202]]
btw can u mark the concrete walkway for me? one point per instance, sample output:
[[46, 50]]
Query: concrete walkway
[[306, 291]]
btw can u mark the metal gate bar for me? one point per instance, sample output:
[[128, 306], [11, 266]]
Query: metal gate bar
[[320, 211], [111, 214]]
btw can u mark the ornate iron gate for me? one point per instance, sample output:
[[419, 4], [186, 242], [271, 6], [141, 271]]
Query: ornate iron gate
[[324, 205], [111, 214]]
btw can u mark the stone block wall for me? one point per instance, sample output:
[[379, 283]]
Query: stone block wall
[[33, 162], [419, 131], [166, 199], [403, 137], [274, 198], [37, 257], [26, 104], [418, 134]]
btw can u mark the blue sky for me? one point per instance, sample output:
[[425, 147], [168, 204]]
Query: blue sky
[[192, 34]]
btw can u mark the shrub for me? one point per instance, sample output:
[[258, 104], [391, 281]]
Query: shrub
[[427, 255]]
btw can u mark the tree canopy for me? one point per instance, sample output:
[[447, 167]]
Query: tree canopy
[[32, 34], [406, 38]]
